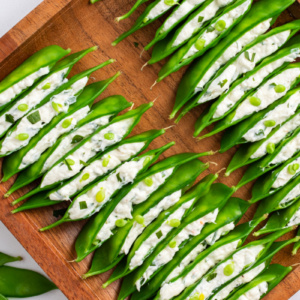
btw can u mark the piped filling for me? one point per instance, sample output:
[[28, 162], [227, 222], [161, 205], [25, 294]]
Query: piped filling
[[256, 293], [97, 168], [160, 8], [72, 165], [11, 93], [292, 195]]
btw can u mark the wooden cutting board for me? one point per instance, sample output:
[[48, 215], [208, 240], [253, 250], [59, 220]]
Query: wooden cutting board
[[77, 25]]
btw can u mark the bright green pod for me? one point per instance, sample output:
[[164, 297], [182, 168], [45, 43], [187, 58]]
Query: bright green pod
[[211, 36], [200, 72], [205, 212], [136, 5], [100, 115], [266, 281], [297, 244], [179, 172], [5, 259], [266, 95], [29, 72], [212, 237], [39, 91]]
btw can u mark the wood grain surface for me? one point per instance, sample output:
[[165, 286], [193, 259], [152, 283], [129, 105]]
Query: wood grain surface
[[77, 25]]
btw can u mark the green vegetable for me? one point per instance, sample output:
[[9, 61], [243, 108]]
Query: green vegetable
[[130, 12], [4, 259], [9, 118], [34, 117]]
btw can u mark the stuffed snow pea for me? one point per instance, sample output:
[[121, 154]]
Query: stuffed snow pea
[[142, 202], [48, 135], [130, 12], [268, 93], [189, 255], [153, 11], [30, 71], [100, 115], [39, 91], [207, 38], [179, 280], [196, 22], [205, 212], [255, 23], [239, 268], [262, 284], [242, 87], [297, 244], [99, 167]]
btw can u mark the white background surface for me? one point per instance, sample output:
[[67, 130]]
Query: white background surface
[[11, 12]]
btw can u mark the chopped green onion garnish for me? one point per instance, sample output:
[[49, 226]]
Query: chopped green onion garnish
[[222, 83], [69, 162], [247, 55], [76, 139], [200, 19], [9, 118], [34, 117], [56, 106], [83, 163], [159, 234], [82, 205], [118, 177], [136, 44]]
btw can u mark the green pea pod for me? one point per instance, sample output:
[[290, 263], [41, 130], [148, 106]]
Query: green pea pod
[[148, 16], [233, 94], [137, 4], [62, 123], [179, 14], [179, 211], [198, 247], [16, 282], [180, 170], [263, 251], [39, 91], [29, 72], [99, 115], [196, 22], [284, 151], [86, 241], [204, 208], [30, 125], [297, 244], [197, 75], [257, 101], [275, 180], [248, 58], [4, 259], [207, 38], [272, 276], [285, 218]]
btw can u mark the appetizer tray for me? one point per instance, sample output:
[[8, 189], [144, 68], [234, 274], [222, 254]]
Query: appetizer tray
[[78, 25]]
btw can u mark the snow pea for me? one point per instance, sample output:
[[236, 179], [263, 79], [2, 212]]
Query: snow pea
[[186, 167], [86, 241], [3, 297], [107, 107], [285, 218], [220, 193], [258, 14], [185, 203], [273, 275], [264, 187], [265, 164], [46, 57], [15, 282], [4, 259], [199, 19], [131, 11], [230, 120], [148, 16], [178, 267], [297, 244], [197, 45]]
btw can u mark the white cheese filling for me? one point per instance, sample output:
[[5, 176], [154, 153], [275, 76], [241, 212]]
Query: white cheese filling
[[108, 188], [205, 15], [267, 93], [10, 93], [295, 219], [172, 289], [138, 194], [233, 50], [279, 114], [292, 195], [166, 255], [239, 261], [210, 35], [51, 137], [96, 169], [47, 112], [97, 143], [247, 277], [278, 136], [252, 82], [33, 98], [284, 176], [66, 143], [246, 62], [154, 239], [160, 8], [256, 293]]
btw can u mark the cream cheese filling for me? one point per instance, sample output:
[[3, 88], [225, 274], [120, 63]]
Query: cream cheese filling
[[292, 195], [256, 293]]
